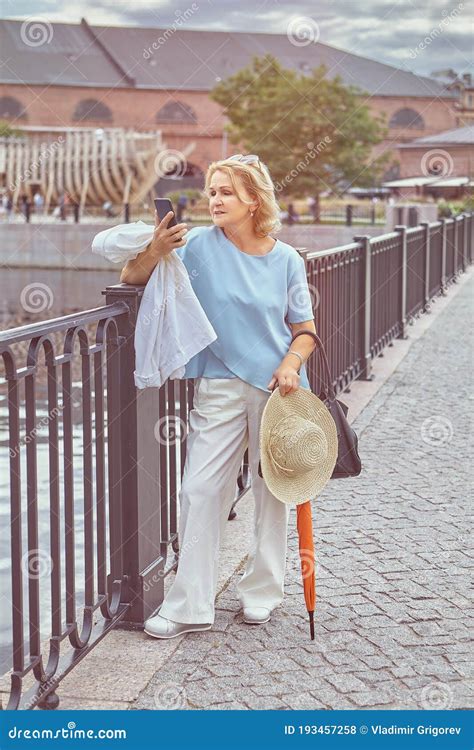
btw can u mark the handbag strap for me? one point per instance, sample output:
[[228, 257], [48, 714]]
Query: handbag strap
[[327, 382]]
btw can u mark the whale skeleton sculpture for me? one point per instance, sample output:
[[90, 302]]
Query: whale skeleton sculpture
[[92, 165]]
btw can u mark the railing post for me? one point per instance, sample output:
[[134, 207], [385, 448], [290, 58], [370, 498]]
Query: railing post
[[444, 232], [455, 249], [402, 230], [470, 235], [366, 307], [303, 251], [464, 242], [427, 246], [143, 564], [349, 209]]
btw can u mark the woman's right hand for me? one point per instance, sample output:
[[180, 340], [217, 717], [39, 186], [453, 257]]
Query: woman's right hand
[[167, 239]]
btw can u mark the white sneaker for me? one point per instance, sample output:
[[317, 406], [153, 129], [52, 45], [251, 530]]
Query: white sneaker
[[256, 615], [160, 627]]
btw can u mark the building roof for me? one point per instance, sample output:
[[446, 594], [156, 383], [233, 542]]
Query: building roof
[[124, 57], [457, 137], [69, 58], [416, 181], [419, 181]]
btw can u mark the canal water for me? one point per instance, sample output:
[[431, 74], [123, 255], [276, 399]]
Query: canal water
[[54, 293], [57, 292]]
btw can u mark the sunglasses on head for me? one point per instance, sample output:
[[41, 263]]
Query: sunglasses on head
[[245, 158]]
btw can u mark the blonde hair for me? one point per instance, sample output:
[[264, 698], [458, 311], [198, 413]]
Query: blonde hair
[[258, 183]]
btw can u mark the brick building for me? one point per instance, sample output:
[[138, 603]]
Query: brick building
[[146, 78], [440, 166]]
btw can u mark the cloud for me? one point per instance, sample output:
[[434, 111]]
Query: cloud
[[380, 30]]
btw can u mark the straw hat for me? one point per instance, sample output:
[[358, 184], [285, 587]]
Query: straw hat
[[298, 445]]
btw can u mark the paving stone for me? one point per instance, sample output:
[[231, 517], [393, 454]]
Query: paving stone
[[393, 547], [346, 683], [275, 662], [302, 702], [371, 698], [265, 702], [377, 662], [230, 706]]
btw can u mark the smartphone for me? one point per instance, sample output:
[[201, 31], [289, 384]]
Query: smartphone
[[163, 205]]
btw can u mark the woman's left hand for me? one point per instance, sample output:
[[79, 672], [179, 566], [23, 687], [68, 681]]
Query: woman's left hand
[[287, 378]]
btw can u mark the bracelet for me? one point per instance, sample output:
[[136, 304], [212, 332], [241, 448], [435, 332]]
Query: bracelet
[[291, 351]]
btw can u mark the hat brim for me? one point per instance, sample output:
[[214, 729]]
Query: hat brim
[[300, 489]]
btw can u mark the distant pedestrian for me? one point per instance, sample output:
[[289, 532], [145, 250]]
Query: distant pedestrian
[[316, 208], [181, 205], [292, 215], [38, 201], [108, 209], [24, 204], [64, 202], [8, 203]]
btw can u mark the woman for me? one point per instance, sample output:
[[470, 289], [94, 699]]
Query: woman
[[254, 291]]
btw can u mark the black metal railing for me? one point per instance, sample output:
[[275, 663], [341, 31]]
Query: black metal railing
[[113, 487], [125, 448], [33, 566], [367, 292]]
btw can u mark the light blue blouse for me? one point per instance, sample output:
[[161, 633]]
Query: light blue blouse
[[249, 300]]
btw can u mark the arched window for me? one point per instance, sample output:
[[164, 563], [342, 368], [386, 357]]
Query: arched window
[[176, 112], [406, 118], [11, 107], [92, 109]]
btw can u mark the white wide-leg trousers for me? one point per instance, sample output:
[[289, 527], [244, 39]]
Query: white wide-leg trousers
[[225, 421]]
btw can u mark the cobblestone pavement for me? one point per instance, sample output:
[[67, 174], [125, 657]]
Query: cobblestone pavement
[[392, 609]]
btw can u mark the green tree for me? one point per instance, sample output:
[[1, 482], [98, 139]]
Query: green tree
[[7, 131], [313, 133]]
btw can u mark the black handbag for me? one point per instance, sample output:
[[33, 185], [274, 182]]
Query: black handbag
[[348, 462]]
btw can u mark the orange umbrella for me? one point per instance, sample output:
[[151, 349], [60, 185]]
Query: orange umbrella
[[304, 523]]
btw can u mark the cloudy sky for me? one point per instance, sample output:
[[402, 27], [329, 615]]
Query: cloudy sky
[[386, 30]]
